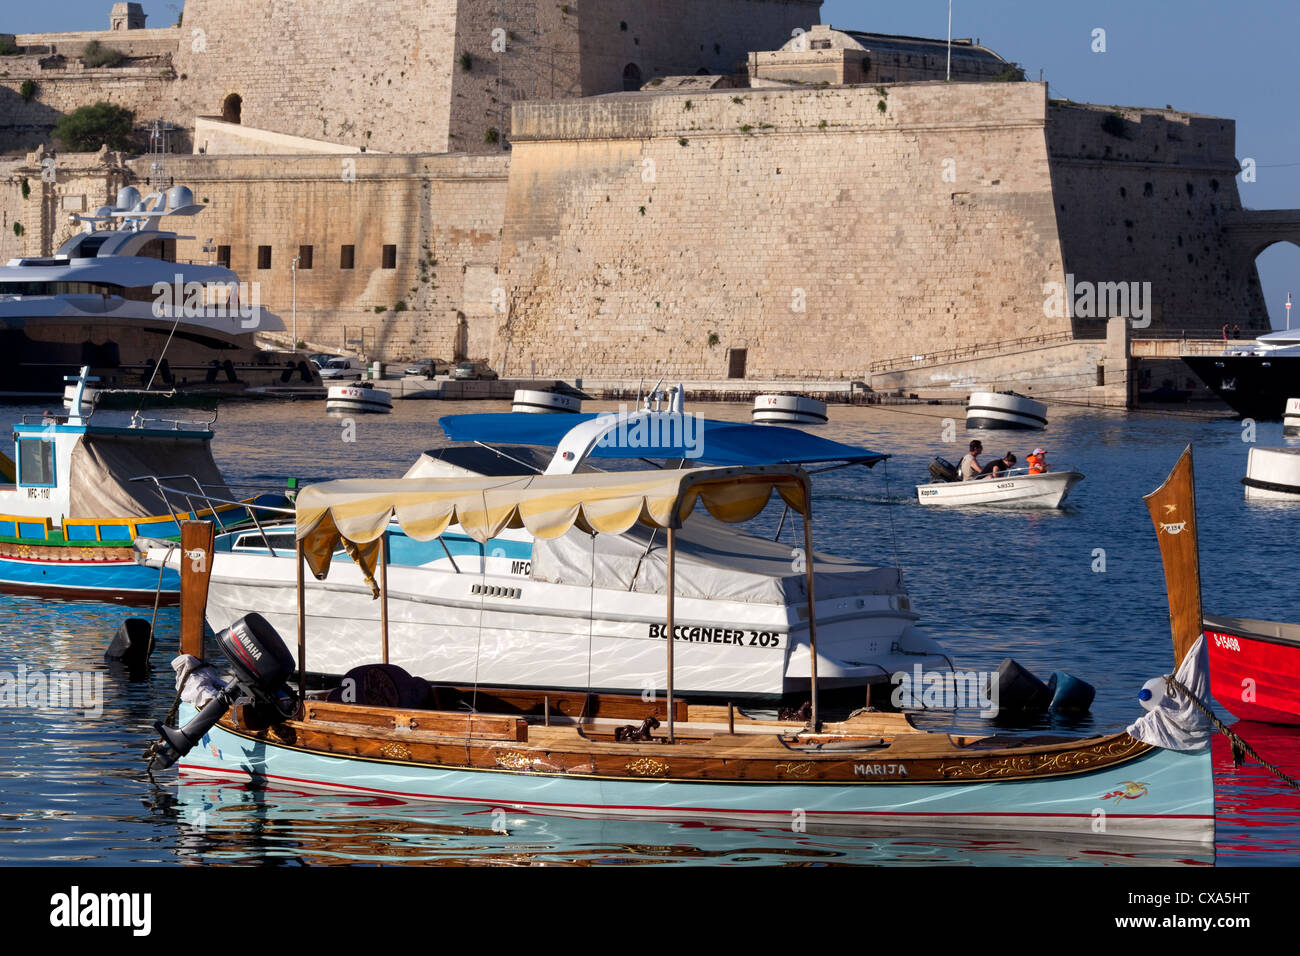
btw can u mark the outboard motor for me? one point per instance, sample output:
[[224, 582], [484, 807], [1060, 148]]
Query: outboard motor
[[262, 666]]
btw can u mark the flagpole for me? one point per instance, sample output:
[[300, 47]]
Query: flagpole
[[949, 77]]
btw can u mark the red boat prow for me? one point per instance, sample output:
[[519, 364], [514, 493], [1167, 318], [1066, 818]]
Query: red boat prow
[[1255, 668]]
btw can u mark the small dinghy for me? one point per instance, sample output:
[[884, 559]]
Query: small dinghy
[[1291, 420], [788, 410], [545, 403], [1273, 474], [1004, 410], [1013, 489], [363, 398]]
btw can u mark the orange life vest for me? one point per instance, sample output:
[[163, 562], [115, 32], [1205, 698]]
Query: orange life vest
[[1037, 465]]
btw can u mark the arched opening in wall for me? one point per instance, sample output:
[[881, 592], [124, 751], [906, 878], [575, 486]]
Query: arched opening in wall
[[1279, 274], [631, 78], [232, 109], [703, 71]]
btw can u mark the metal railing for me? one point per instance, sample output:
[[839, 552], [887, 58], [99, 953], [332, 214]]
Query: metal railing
[[212, 501], [969, 351]]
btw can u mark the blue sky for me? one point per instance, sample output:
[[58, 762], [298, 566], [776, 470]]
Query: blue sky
[[1232, 59]]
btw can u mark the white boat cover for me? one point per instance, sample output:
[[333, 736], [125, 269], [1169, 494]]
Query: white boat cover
[[1177, 723], [197, 682], [713, 563], [103, 466]]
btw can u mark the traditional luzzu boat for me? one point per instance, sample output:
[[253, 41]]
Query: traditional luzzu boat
[[1013, 489], [71, 507], [584, 755], [581, 613]]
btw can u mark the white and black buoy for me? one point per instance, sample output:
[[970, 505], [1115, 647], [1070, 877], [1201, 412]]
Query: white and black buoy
[[1004, 410], [1273, 474], [545, 403], [362, 399], [789, 410], [1291, 419]]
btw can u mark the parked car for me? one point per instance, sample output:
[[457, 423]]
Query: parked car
[[342, 369], [429, 367], [474, 370]]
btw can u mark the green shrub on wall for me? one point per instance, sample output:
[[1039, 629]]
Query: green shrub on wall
[[87, 128], [97, 55], [27, 90]]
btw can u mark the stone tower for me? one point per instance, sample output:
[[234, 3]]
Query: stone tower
[[126, 16]]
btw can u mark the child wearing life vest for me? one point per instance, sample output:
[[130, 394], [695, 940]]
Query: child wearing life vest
[[1037, 462]]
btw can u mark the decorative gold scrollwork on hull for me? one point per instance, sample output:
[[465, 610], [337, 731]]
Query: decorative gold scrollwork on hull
[[513, 760], [795, 769], [1044, 764], [647, 767], [395, 751]]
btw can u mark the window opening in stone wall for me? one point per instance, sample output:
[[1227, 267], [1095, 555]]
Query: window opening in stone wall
[[232, 109], [348, 257], [304, 257], [390, 257], [631, 78], [223, 256], [264, 257]]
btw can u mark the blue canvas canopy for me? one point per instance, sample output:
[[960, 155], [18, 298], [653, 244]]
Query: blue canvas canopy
[[719, 443]]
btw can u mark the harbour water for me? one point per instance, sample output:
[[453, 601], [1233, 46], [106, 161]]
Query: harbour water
[[1078, 590]]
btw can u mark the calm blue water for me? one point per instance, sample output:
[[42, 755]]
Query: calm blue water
[[988, 584]]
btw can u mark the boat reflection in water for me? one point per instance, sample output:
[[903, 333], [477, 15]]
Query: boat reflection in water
[[1253, 808], [238, 824]]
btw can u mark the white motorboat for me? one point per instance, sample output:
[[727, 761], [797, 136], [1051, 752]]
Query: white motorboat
[[363, 399], [1013, 489], [789, 410], [157, 322], [522, 612], [535, 402], [1004, 410], [1273, 474]]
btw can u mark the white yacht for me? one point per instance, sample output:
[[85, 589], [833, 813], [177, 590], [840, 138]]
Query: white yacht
[[586, 612], [114, 298]]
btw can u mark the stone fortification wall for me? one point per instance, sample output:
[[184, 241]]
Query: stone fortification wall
[[1141, 196], [376, 74], [682, 37], [134, 43], [441, 213], [818, 230]]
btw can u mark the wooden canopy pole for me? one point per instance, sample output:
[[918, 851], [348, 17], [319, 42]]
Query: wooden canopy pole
[[302, 632], [383, 595], [672, 581], [812, 611], [197, 539]]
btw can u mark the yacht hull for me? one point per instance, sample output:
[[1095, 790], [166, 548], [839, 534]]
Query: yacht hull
[[1254, 386]]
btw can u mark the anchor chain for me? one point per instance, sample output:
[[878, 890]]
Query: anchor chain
[[1240, 747]]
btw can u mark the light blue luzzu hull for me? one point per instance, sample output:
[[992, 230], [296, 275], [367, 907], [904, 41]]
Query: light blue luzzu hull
[[1160, 795], [109, 580]]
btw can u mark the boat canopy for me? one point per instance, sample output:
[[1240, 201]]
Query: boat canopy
[[104, 464], [720, 443], [357, 513]]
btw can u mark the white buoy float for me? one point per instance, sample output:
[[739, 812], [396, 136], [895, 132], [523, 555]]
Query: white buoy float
[[546, 403], [788, 410], [1273, 474], [1291, 420], [1004, 410], [358, 398]]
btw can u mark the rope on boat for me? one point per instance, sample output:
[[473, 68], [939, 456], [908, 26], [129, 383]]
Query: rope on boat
[[1240, 747], [170, 719]]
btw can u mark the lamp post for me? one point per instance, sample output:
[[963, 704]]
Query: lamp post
[[294, 267]]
